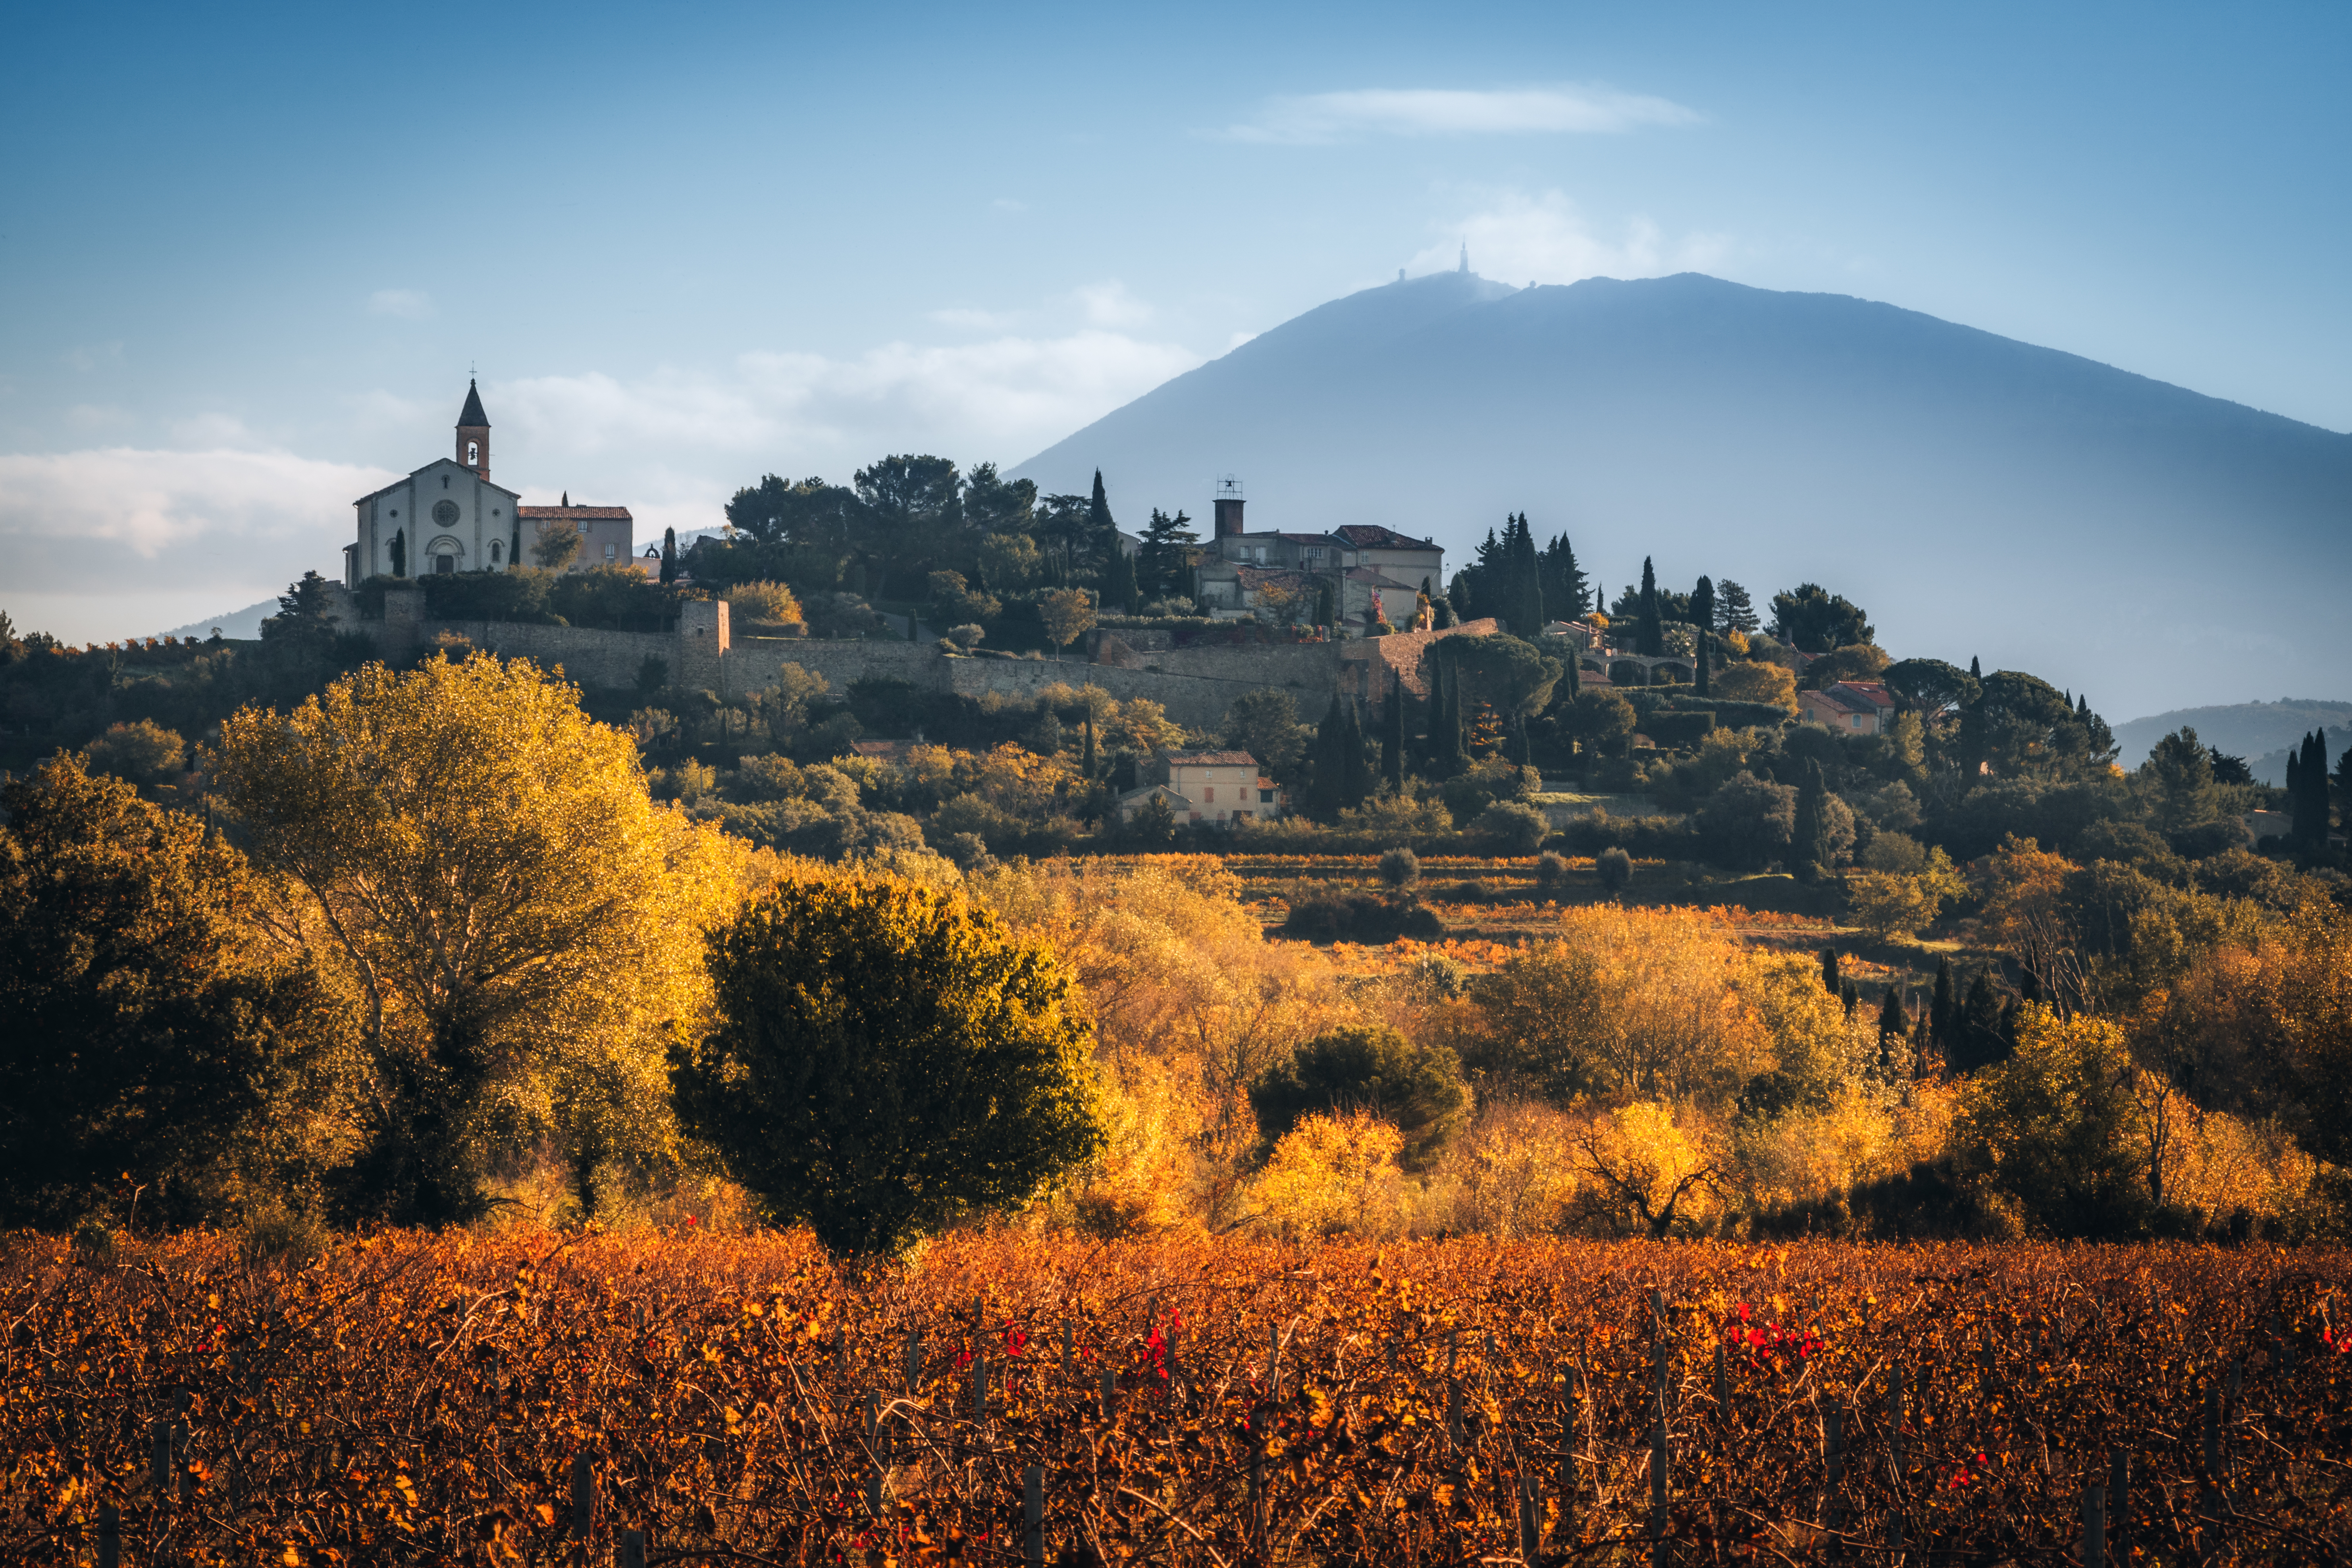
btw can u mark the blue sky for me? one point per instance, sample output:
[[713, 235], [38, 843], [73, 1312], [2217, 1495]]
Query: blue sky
[[248, 254]]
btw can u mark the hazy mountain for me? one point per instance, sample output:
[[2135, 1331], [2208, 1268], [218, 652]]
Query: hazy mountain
[[244, 623], [2138, 542], [2255, 731]]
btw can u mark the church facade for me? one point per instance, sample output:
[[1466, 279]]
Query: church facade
[[448, 517]]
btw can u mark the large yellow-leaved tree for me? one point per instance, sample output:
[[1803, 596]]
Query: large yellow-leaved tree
[[520, 925]]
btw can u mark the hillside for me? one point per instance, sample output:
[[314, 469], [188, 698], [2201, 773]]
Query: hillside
[[244, 623], [2259, 732], [1983, 497]]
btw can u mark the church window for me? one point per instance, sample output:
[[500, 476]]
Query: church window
[[494, 552], [473, 453], [444, 482]]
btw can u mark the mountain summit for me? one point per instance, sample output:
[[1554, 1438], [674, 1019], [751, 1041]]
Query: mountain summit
[[1981, 497]]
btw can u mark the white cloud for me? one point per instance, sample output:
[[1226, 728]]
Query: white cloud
[[803, 411], [1547, 239], [975, 321], [1327, 117], [405, 303], [1108, 304], [108, 543]]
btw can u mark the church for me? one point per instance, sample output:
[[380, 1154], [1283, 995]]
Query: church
[[448, 517]]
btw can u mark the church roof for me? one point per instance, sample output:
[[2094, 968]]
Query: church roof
[[1371, 536], [473, 415], [457, 469]]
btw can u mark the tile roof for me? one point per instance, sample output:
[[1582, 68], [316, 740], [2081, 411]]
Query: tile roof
[[1371, 536], [1211, 760], [575, 514], [1871, 692]]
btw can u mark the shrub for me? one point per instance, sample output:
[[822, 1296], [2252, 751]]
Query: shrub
[[1616, 868], [1513, 826], [1361, 917], [1400, 867], [772, 603], [144, 753], [1417, 1089], [1748, 822], [1551, 870]]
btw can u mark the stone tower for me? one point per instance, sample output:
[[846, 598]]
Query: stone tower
[[474, 435]]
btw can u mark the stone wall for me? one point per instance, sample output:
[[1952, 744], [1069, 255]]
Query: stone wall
[[1195, 685]]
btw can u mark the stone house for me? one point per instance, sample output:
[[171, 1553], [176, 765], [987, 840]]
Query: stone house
[[1849, 707], [1207, 786]]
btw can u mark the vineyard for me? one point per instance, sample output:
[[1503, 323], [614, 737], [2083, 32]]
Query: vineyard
[[675, 1398]]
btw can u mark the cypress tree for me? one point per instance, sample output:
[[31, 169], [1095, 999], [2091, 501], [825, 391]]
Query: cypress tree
[[1102, 534], [1393, 745], [1649, 631], [1975, 669], [1809, 846], [1090, 764], [1851, 999], [1940, 1004], [1831, 980], [1702, 610], [1892, 1019], [1527, 570], [669, 555], [1977, 1039], [1356, 774]]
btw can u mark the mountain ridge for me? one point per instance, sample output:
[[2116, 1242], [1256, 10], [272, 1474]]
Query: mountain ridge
[[1953, 480]]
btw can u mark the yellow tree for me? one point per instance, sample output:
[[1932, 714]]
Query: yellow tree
[[520, 923], [1067, 611]]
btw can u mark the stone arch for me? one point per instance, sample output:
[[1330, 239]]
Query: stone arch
[[446, 553], [1627, 673]]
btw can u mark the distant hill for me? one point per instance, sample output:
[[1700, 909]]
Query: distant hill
[[2260, 732], [2140, 543], [245, 623]]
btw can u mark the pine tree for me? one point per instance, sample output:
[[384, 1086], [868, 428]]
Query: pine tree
[[1649, 631], [1831, 982], [1702, 611], [1734, 612], [1567, 592], [669, 555]]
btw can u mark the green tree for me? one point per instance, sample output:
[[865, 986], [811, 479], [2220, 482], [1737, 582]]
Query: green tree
[[1102, 533], [912, 510], [1809, 844], [558, 545], [1734, 612], [1649, 626], [1164, 561], [1567, 592], [2180, 771], [992, 504], [1816, 620], [303, 624], [476, 862], [2054, 1127], [669, 555], [400, 552], [1264, 724], [1702, 613], [887, 1061], [149, 1021], [143, 754], [1067, 614], [1416, 1087], [1120, 587], [1931, 687]]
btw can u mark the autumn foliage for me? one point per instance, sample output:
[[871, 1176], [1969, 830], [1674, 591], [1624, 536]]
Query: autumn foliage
[[408, 1399]]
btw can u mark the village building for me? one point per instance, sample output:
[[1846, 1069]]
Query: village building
[[1207, 786], [1372, 573], [448, 517], [1849, 707]]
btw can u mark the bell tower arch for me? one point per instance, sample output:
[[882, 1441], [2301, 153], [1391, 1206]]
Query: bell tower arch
[[474, 434]]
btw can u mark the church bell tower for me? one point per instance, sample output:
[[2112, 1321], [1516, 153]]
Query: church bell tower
[[474, 435]]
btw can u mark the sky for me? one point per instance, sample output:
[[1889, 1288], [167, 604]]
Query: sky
[[249, 256]]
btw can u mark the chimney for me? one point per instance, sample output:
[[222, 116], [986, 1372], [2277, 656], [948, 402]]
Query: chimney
[[1229, 507]]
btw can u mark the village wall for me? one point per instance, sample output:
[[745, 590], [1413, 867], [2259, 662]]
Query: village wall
[[1194, 685]]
